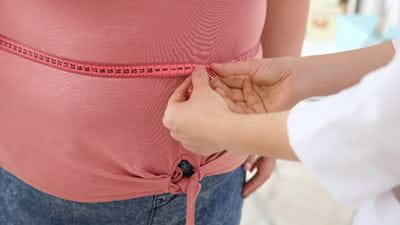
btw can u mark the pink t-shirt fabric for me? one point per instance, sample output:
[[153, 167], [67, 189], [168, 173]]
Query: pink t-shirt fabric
[[94, 139]]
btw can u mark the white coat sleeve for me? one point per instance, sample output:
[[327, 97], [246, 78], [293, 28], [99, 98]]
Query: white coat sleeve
[[351, 140], [396, 44]]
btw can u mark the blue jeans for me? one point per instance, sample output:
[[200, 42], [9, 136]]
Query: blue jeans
[[219, 203]]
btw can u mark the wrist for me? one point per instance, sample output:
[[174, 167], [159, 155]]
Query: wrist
[[323, 75], [311, 77], [259, 134], [236, 132], [298, 70], [227, 131]]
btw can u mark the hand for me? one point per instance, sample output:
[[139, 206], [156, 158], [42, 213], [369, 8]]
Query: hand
[[258, 86], [196, 122], [264, 167]]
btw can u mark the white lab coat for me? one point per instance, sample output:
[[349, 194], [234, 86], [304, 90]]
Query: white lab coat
[[351, 142]]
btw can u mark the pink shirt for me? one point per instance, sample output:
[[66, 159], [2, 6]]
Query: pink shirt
[[87, 137]]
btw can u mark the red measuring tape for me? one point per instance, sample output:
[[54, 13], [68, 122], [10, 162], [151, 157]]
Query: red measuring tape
[[108, 70]]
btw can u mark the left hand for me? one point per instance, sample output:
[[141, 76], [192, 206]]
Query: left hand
[[264, 167], [196, 122]]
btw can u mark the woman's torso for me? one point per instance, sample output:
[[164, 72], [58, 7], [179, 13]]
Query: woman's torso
[[89, 138]]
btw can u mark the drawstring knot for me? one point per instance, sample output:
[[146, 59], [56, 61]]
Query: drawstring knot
[[187, 179]]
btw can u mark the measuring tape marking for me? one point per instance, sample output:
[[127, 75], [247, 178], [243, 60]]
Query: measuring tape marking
[[108, 70]]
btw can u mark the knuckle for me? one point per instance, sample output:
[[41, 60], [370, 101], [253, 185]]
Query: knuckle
[[167, 117], [188, 147], [167, 121], [173, 135]]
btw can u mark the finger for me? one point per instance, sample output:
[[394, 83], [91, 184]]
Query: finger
[[249, 162], [234, 94], [234, 68], [189, 147], [244, 108], [216, 83], [200, 78], [250, 111], [264, 163], [231, 105], [251, 97], [253, 184], [175, 136], [257, 164], [241, 104], [265, 167], [234, 81], [181, 93], [260, 91], [221, 92], [196, 149], [264, 98], [238, 109]]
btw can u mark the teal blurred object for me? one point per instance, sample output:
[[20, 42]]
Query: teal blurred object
[[357, 31], [393, 33]]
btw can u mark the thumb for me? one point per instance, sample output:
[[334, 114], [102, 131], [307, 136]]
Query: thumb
[[235, 68], [200, 78], [181, 93]]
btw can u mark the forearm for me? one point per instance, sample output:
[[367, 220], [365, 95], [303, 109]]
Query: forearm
[[327, 74], [261, 134], [284, 28]]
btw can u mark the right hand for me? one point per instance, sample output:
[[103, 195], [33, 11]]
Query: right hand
[[259, 85], [253, 87]]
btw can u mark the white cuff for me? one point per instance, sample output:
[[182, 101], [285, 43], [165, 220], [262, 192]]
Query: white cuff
[[396, 44]]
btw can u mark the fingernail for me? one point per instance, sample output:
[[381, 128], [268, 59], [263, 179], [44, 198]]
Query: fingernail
[[199, 67], [247, 166]]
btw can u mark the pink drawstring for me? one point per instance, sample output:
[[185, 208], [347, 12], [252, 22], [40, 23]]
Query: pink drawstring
[[192, 187], [192, 191]]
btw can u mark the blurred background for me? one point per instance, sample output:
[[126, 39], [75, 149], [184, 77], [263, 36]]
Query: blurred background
[[292, 196]]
